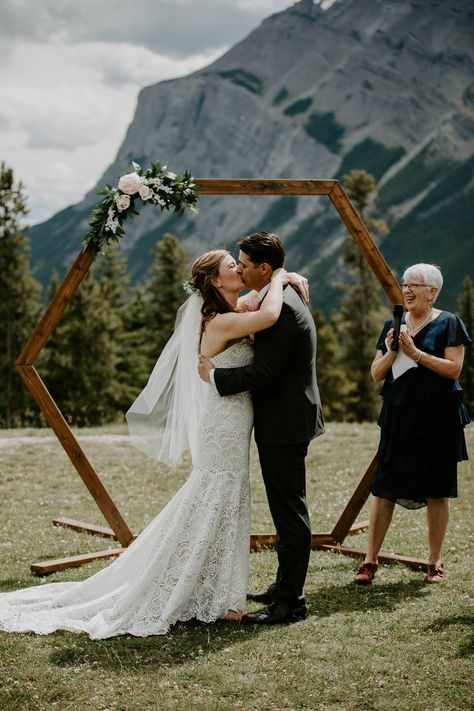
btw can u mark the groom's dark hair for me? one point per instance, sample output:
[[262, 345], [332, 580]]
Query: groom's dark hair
[[263, 247]]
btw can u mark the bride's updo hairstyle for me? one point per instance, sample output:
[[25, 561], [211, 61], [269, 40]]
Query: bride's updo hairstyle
[[204, 269]]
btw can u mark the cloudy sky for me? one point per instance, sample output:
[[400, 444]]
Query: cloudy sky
[[71, 70]]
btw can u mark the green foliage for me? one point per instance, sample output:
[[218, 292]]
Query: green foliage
[[281, 96], [426, 167], [373, 157], [103, 349], [360, 318], [134, 363], [333, 382], [466, 312], [79, 361], [468, 96], [241, 77], [440, 235], [19, 308], [325, 129], [325, 297], [298, 107], [170, 268], [165, 189]]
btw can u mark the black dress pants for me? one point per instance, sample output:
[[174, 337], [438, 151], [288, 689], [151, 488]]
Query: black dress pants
[[284, 475]]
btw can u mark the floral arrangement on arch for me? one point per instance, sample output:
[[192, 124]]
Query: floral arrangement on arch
[[155, 185]]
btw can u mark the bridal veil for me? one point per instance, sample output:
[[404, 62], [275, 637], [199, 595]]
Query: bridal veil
[[164, 418]]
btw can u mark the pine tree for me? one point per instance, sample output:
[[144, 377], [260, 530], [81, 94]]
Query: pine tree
[[135, 363], [111, 272], [52, 362], [19, 307], [332, 378], [81, 356], [169, 269], [360, 317], [466, 312]]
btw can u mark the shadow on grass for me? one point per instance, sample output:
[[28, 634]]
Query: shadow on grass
[[353, 598], [195, 640], [466, 648], [185, 641]]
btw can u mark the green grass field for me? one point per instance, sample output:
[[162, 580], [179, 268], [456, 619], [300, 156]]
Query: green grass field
[[399, 644]]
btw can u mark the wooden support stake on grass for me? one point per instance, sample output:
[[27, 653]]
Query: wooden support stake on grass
[[355, 504], [75, 453], [83, 527], [46, 567], [416, 563]]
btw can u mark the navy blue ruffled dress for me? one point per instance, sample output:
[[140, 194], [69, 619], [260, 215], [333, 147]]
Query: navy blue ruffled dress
[[422, 422]]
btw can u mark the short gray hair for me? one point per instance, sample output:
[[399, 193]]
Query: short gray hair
[[429, 274]]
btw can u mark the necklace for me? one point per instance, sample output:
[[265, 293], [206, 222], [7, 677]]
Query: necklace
[[414, 330]]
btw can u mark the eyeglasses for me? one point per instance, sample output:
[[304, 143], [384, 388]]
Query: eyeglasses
[[411, 287]]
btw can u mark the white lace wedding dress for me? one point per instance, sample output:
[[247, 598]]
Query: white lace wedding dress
[[190, 562]]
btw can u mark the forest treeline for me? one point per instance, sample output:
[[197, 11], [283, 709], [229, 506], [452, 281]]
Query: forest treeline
[[104, 347]]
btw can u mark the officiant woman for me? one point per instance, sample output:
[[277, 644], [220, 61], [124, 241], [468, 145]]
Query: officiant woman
[[422, 419]]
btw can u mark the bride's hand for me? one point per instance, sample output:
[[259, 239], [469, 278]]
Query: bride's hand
[[281, 274], [300, 283]]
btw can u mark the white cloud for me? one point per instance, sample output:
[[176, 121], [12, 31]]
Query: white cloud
[[176, 27], [65, 110], [71, 71]]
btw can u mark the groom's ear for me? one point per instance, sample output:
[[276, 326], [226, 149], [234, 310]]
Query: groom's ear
[[266, 270]]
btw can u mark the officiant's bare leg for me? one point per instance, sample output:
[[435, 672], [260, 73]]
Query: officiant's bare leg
[[437, 514], [381, 512]]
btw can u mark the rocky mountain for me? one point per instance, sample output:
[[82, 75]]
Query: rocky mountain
[[384, 86]]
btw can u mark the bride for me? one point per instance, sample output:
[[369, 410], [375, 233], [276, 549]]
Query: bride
[[192, 560]]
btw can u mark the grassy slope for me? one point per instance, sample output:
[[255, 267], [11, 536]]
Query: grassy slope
[[398, 645]]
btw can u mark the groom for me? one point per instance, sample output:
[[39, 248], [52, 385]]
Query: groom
[[287, 415]]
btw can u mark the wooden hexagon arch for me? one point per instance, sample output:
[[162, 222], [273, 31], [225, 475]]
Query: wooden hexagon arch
[[118, 526]]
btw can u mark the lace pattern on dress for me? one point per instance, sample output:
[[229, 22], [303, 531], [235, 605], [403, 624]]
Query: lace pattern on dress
[[190, 562]]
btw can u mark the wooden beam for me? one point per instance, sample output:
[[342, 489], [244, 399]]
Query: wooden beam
[[82, 527], [55, 309], [355, 504], [366, 243], [259, 541], [358, 528], [224, 186], [416, 563], [77, 456], [46, 567], [74, 277]]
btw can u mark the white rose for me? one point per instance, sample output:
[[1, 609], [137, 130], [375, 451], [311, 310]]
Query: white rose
[[145, 192], [123, 202], [171, 175], [130, 183]]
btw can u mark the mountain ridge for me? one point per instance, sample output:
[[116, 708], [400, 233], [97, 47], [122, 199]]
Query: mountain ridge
[[311, 94]]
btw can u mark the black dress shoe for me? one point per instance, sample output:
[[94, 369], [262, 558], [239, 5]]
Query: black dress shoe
[[275, 615], [266, 598]]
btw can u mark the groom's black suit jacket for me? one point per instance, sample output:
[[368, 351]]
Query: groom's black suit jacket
[[282, 378]]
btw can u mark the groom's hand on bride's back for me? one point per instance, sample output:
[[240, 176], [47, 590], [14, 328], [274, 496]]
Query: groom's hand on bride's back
[[204, 368]]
